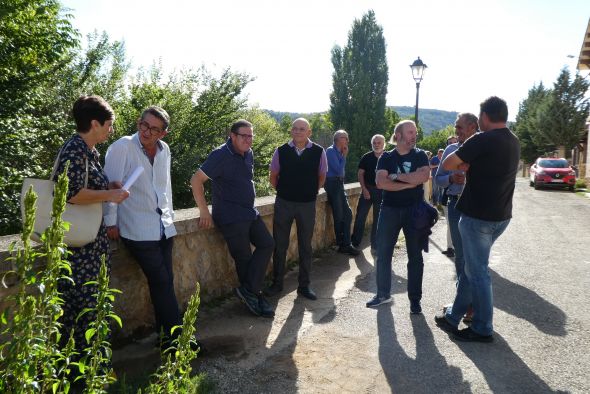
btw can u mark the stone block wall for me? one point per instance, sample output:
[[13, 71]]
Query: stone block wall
[[198, 256]]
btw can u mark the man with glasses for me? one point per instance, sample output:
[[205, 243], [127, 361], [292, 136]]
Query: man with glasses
[[145, 222], [297, 171], [230, 167]]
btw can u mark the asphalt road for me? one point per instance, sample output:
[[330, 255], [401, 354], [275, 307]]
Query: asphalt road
[[541, 277]]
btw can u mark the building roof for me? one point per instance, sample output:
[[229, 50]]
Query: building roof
[[584, 58]]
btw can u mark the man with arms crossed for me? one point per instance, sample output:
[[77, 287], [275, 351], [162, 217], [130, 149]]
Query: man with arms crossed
[[490, 159], [297, 171], [231, 170], [401, 174]]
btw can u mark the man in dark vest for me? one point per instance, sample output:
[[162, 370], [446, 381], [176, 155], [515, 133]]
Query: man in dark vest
[[297, 171]]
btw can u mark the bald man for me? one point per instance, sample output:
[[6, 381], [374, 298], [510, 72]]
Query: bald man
[[297, 171]]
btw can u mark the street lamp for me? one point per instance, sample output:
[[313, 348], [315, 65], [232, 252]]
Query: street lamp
[[418, 68]]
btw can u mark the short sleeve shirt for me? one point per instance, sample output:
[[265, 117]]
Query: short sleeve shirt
[[493, 158], [394, 163], [368, 163], [232, 184]]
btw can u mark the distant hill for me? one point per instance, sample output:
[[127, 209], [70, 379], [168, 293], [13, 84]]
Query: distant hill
[[430, 119]]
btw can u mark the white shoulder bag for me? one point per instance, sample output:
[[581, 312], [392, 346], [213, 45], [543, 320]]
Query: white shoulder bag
[[84, 219]]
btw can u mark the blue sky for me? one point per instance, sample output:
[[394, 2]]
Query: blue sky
[[473, 49]]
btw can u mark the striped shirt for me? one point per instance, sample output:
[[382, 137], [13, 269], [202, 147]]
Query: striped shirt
[[148, 213]]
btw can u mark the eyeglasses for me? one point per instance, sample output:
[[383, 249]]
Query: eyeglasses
[[145, 126], [246, 136]]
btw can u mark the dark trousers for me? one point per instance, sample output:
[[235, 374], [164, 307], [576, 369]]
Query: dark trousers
[[304, 215], [391, 222], [362, 210], [250, 266], [341, 212], [155, 260]]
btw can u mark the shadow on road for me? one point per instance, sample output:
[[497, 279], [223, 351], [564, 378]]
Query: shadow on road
[[503, 370], [524, 303], [428, 372]]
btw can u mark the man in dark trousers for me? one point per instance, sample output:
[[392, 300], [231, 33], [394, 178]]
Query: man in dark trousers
[[401, 174], [454, 182], [341, 212], [370, 196], [231, 170], [490, 160], [297, 171]]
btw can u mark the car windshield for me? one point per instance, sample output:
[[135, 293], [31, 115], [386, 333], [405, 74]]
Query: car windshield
[[553, 163]]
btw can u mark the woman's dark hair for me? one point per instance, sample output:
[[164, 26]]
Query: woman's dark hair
[[239, 123], [89, 108]]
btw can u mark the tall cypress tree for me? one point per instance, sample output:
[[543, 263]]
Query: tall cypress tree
[[357, 102]]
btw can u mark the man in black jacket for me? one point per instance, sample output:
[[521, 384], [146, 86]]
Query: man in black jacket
[[297, 171]]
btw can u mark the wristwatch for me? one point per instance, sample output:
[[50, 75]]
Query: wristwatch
[[393, 177]]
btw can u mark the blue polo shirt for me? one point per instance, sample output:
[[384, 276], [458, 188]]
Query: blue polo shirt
[[336, 162], [232, 184]]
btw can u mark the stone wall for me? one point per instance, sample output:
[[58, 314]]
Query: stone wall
[[199, 256]]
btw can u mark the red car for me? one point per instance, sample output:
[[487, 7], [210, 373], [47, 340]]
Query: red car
[[552, 172]]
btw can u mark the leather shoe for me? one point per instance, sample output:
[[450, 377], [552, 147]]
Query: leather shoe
[[307, 293], [273, 290], [351, 250], [450, 252]]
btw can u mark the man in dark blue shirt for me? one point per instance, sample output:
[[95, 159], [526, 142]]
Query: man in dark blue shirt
[[334, 186], [230, 168], [400, 174]]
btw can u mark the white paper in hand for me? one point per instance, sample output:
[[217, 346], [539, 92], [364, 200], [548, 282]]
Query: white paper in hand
[[131, 180]]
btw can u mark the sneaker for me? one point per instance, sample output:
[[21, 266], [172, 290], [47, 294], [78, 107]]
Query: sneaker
[[249, 299], [442, 323], [468, 335], [273, 290], [415, 307], [265, 308], [450, 252], [351, 250], [376, 301]]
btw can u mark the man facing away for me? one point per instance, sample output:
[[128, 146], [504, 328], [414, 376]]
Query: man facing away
[[230, 168], [454, 182], [145, 221], [341, 212], [401, 173], [371, 195], [297, 171], [490, 159]]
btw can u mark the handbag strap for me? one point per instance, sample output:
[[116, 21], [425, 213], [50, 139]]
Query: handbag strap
[[56, 164]]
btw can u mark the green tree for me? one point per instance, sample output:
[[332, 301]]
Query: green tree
[[359, 86], [563, 113], [526, 125], [321, 128], [285, 125], [437, 140], [36, 40], [391, 119]]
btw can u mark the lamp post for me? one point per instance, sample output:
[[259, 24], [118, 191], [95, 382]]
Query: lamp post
[[418, 68]]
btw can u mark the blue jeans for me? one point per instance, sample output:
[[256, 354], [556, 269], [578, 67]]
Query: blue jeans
[[391, 222], [475, 285], [362, 210], [453, 221], [341, 212]]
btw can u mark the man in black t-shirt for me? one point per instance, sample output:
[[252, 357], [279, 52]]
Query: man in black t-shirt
[[490, 159], [401, 174], [370, 196]]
